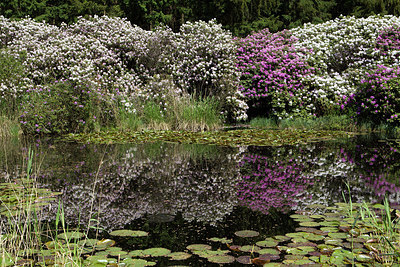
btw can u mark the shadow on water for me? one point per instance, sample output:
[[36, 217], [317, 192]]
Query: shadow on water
[[185, 194]]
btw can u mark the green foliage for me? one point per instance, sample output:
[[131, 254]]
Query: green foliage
[[12, 73], [242, 17], [62, 107]]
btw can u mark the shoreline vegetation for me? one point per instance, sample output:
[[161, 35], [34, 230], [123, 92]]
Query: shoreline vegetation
[[342, 74]]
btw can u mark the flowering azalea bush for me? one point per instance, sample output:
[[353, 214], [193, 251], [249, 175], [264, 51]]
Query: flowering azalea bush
[[272, 71], [377, 99]]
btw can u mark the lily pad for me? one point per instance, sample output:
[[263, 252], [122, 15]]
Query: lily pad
[[244, 260], [104, 243], [268, 251], [130, 233], [71, 235], [221, 240], [247, 233], [156, 252], [267, 243], [179, 256], [198, 247], [309, 224], [137, 253], [221, 259], [89, 242], [249, 248], [281, 238], [313, 237], [339, 235], [138, 262]]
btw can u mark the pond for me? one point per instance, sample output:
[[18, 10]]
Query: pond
[[186, 194]]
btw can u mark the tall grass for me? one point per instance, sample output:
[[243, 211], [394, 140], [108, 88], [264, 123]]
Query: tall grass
[[329, 122], [25, 238], [184, 113], [9, 128]]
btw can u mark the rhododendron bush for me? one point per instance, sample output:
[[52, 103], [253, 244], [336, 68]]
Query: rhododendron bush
[[314, 69], [344, 50], [116, 61], [272, 70]]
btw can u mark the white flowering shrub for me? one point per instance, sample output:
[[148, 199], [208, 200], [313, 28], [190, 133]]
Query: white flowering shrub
[[343, 51], [203, 63], [120, 64]]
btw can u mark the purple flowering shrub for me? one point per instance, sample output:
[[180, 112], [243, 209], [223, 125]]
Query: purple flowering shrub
[[63, 107], [267, 185], [272, 71], [377, 98], [388, 44]]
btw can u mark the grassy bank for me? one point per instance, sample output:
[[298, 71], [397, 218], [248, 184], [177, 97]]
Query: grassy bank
[[327, 123]]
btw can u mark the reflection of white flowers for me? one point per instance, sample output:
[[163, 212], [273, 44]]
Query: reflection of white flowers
[[173, 180]]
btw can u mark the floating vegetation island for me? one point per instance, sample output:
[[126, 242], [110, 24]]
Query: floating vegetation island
[[256, 137]]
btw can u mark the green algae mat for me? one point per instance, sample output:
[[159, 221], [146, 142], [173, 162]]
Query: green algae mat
[[255, 137]]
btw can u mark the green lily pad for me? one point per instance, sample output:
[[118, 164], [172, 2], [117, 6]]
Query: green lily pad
[[294, 235], [179, 256], [268, 251], [296, 251], [249, 248], [198, 247], [329, 229], [104, 244], [330, 223], [138, 262], [130, 233], [309, 224], [221, 240], [313, 237], [137, 253], [118, 253], [267, 243], [247, 233], [156, 252], [89, 242], [333, 241], [71, 235], [281, 238], [338, 235], [221, 259]]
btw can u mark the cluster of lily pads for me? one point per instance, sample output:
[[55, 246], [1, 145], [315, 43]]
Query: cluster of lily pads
[[333, 236], [21, 194]]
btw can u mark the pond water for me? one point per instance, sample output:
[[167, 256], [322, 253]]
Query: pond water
[[185, 194]]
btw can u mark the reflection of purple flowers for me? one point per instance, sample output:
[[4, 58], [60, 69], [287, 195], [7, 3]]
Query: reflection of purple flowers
[[271, 184]]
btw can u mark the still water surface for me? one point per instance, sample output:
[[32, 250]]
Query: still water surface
[[184, 194]]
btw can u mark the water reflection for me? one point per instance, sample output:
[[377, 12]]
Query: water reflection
[[159, 182]]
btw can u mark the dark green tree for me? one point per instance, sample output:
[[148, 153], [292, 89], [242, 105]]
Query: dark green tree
[[297, 12]]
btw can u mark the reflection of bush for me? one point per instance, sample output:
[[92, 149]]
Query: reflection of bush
[[317, 174], [271, 184], [155, 179]]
